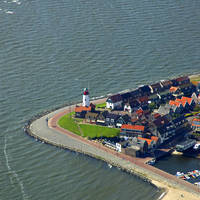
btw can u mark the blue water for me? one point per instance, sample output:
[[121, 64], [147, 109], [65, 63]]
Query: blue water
[[50, 50]]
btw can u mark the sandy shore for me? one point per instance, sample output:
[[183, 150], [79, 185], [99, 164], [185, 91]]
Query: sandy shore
[[172, 193]]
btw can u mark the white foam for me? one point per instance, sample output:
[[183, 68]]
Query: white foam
[[16, 1], [9, 12], [13, 173]]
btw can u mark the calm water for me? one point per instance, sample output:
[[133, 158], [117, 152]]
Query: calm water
[[50, 50]]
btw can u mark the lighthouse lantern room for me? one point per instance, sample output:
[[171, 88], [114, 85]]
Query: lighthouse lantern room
[[86, 98]]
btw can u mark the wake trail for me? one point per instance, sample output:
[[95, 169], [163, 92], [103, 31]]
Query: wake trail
[[13, 173]]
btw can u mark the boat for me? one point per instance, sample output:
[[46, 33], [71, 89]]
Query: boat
[[185, 145], [151, 162], [109, 165], [196, 147]]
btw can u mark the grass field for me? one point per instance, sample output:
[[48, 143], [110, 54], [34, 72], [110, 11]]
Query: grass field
[[101, 105], [67, 122], [93, 131], [86, 130]]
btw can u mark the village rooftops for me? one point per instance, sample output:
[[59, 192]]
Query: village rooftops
[[114, 98]]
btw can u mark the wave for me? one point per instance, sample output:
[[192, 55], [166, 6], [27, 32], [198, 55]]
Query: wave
[[13, 173]]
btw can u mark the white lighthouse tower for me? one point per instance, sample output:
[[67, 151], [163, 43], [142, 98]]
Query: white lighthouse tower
[[86, 98]]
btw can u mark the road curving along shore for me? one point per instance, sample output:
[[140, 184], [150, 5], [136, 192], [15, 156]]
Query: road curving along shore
[[46, 129]]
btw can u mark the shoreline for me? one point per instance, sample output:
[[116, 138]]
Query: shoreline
[[52, 134]]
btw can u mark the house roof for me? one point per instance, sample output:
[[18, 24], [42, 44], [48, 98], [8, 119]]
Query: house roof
[[115, 98], [183, 78], [189, 100], [135, 93], [112, 116], [164, 109], [126, 95], [196, 120], [161, 121], [145, 89], [167, 83], [133, 103], [156, 115], [149, 141], [139, 112], [156, 86], [178, 119], [91, 115], [82, 108], [143, 99], [173, 89], [182, 101], [174, 103], [154, 138], [132, 127]]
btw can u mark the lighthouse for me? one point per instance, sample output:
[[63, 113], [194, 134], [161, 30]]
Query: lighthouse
[[86, 98]]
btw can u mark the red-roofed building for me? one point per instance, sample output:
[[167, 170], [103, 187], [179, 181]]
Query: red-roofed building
[[139, 112], [175, 103], [132, 130], [151, 143], [80, 111], [196, 124], [174, 90], [189, 100]]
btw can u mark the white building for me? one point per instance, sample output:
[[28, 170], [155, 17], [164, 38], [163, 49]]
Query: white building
[[114, 102], [86, 98]]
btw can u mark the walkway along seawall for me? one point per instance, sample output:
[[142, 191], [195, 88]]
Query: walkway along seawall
[[50, 132]]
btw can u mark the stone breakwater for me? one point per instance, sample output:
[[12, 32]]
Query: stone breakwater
[[49, 132]]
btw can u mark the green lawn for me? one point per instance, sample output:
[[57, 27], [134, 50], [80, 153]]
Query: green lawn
[[101, 105], [91, 131], [67, 122]]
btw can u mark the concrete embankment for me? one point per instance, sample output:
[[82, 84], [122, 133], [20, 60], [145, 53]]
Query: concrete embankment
[[51, 133]]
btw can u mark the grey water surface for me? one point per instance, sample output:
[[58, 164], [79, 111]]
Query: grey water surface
[[49, 51]]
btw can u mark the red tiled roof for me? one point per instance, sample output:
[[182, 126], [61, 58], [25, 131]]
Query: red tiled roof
[[148, 140], [82, 108], [140, 111], [174, 103], [189, 100], [183, 102], [156, 115], [154, 138], [173, 89], [132, 127], [196, 119]]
